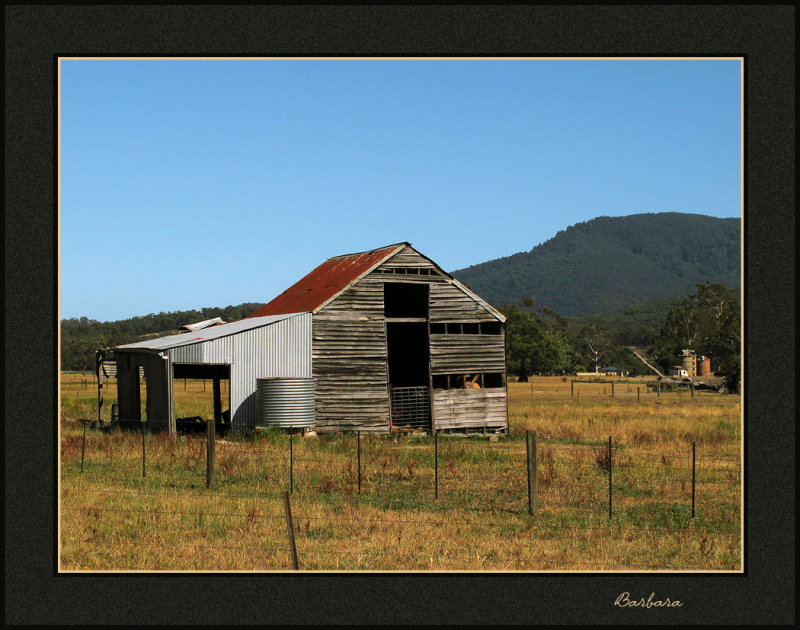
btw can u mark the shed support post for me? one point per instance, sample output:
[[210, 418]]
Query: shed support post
[[217, 401], [99, 369]]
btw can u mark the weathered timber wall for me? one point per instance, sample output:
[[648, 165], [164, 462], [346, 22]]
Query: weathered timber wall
[[469, 408], [350, 363], [451, 304], [467, 354]]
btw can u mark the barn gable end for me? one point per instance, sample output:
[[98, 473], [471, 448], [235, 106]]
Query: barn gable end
[[465, 347]]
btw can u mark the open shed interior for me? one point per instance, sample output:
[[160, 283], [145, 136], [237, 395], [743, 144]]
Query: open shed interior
[[211, 402]]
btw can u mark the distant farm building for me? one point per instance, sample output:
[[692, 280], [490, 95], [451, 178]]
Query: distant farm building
[[695, 365], [678, 370], [391, 340], [610, 370]]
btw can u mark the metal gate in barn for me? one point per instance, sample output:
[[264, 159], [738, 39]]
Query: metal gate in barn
[[411, 407]]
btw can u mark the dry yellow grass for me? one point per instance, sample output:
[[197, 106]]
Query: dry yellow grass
[[112, 518]]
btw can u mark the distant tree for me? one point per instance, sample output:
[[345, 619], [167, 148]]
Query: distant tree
[[596, 344], [522, 331], [532, 348]]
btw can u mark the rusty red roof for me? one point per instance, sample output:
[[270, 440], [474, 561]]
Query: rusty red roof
[[326, 281]]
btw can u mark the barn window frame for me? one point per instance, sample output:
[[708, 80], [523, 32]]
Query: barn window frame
[[467, 328], [486, 380]]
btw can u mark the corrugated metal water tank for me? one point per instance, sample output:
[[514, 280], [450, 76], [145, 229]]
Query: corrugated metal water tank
[[285, 402]]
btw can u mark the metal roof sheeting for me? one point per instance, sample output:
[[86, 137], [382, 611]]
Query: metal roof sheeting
[[317, 288], [206, 334], [203, 324]]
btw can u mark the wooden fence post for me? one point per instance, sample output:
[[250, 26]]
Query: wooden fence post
[[533, 481], [610, 460], [83, 448], [572, 388], [694, 458], [534, 473], [612, 389], [211, 455], [143, 455], [291, 460], [288, 508], [436, 465], [638, 394]]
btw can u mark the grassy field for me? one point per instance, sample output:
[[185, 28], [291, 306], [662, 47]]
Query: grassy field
[[113, 518]]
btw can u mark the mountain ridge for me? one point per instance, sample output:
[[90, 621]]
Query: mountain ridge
[[608, 263]]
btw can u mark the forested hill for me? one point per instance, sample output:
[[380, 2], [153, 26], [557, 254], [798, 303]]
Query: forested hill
[[612, 262]]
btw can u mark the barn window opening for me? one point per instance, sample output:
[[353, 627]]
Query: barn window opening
[[401, 299], [466, 328], [493, 379], [479, 380], [411, 271], [491, 328], [455, 381]]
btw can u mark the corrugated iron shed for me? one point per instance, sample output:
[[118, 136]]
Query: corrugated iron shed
[[241, 352], [317, 288], [213, 332]]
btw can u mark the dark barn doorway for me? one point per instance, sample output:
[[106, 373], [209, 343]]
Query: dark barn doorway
[[408, 348], [201, 392], [408, 354]]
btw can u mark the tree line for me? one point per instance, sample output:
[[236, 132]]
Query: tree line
[[540, 341], [81, 336]]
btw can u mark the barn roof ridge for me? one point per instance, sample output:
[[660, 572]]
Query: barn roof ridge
[[329, 279], [371, 251]]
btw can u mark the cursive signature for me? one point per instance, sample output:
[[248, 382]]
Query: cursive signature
[[625, 601]]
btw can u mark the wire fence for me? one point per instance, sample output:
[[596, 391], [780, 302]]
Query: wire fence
[[620, 493], [269, 546]]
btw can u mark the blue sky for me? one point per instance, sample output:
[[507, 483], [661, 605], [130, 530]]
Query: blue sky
[[192, 183]]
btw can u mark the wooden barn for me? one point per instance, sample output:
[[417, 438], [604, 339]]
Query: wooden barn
[[396, 342]]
